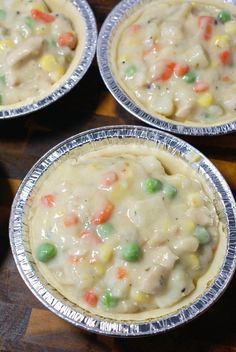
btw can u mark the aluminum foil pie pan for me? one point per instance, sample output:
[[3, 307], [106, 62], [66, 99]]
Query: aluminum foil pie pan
[[110, 26], [79, 70], [89, 141]]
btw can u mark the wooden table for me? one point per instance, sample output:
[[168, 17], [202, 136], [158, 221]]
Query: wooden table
[[25, 325]]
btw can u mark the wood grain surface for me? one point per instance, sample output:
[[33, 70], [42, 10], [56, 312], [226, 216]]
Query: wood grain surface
[[25, 325]]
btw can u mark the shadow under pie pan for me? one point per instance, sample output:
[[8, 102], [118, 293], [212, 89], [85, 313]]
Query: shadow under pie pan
[[143, 44], [44, 54], [122, 141]]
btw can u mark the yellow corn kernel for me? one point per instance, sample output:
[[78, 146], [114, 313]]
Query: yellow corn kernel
[[118, 191], [57, 73], [48, 62], [221, 41], [6, 44], [189, 226], [230, 27], [99, 269], [192, 261], [194, 200], [140, 297], [205, 100], [105, 253]]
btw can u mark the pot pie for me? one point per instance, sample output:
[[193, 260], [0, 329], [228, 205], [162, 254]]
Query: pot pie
[[38, 43], [125, 231], [176, 60]]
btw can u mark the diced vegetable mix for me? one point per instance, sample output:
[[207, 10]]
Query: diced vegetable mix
[[121, 253], [36, 49], [169, 54]]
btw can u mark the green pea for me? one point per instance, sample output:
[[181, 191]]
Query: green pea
[[108, 300], [202, 234], [169, 191], [51, 42], [189, 77], [29, 21], [152, 185], [105, 230], [130, 71], [3, 14], [224, 16], [131, 252], [46, 252]]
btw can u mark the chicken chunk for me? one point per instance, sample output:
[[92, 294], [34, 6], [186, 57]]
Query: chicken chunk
[[153, 280], [30, 47]]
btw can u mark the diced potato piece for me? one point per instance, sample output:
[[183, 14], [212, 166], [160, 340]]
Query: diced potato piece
[[85, 280], [196, 57], [184, 244], [165, 257], [229, 100], [201, 216], [179, 285], [120, 288], [162, 104], [216, 110], [141, 213], [185, 101], [230, 27], [151, 31], [171, 32], [151, 164]]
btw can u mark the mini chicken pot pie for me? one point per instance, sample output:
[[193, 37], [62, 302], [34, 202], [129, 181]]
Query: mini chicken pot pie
[[127, 231], [41, 45], [124, 231], [176, 60]]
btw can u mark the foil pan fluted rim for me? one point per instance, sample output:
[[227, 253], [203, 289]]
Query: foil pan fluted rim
[[118, 13], [69, 311], [84, 63]]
